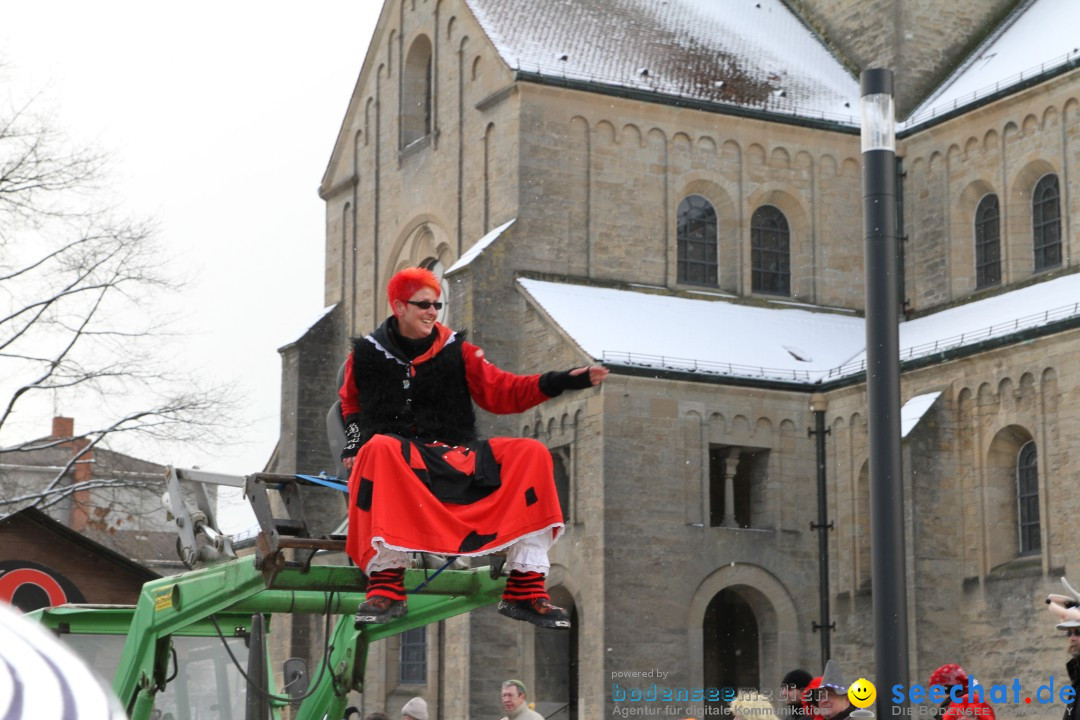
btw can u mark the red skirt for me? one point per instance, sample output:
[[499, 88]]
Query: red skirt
[[436, 498]]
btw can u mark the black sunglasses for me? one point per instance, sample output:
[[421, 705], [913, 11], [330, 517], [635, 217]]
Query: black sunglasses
[[425, 304], [1069, 632]]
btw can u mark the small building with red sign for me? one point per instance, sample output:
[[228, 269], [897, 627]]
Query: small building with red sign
[[45, 563]]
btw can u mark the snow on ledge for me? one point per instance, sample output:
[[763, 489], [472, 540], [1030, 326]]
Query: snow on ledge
[[913, 411], [307, 327], [478, 247]]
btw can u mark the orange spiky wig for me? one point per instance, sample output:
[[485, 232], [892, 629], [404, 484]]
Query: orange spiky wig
[[409, 281]]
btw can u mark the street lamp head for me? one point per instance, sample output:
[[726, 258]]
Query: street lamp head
[[878, 112], [819, 403]]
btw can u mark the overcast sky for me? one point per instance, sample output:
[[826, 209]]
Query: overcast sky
[[220, 117]]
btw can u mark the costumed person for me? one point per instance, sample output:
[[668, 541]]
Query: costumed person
[[421, 478], [968, 706], [1067, 610], [810, 696]]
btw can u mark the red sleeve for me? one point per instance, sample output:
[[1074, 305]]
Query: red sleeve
[[496, 390], [350, 398]]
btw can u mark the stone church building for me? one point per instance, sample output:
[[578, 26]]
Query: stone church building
[[672, 188]]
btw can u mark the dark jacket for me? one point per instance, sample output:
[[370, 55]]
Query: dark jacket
[[1073, 668], [428, 401]]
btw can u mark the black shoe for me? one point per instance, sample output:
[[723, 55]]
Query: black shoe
[[538, 611], [378, 610]]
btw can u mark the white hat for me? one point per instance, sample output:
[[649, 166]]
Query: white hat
[[1066, 608], [415, 709]]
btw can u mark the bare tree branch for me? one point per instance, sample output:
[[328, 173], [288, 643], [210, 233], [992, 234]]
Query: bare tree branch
[[78, 314]]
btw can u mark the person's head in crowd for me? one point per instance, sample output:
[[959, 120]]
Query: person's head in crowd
[[415, 709], [513, 695]]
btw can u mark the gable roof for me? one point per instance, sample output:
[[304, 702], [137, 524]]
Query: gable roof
[[753, 54]]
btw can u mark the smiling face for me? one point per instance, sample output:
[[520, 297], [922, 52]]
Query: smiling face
[[862, 693], [833, 703], [413, 322]]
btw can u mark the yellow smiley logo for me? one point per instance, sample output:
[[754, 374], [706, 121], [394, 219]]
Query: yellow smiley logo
[[862, 693]]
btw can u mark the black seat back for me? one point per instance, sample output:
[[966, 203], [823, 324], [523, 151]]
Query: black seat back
[[335, 429]]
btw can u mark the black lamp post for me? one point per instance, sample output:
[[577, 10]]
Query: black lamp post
[[818, 405], [883, 384]]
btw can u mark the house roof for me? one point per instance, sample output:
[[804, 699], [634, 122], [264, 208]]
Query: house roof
[[50, 452], [746, 53], [36, 516], [776, 341], [1038, 37]]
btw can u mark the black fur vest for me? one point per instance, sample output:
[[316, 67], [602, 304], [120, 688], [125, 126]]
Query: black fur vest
[[428, 402]]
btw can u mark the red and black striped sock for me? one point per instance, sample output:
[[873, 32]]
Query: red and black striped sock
[[387, 583], [524, 586]]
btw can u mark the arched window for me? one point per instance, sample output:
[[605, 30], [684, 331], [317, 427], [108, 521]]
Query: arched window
[[770, 251], [416, 92], [732, 642], [696, 238], [1046, 222], [1027, 492], [988, 242], [435, 265]]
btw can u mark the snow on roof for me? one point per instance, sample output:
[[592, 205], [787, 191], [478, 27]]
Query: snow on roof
[[307, 326], [1037, 37], [723, 337], [913, 411], [997, 316], [710, 336], [748, 53], [478, 247]]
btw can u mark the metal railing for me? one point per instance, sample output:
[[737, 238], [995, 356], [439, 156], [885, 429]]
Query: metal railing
[[667, 362], [1032, 72]]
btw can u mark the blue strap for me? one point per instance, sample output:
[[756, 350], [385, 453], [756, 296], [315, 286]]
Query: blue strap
[[445, 565], [325, 481]]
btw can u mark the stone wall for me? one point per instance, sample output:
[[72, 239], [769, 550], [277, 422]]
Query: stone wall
[[626, 166], [389, 205], [973, 598], [309, 389], [1003, 148]]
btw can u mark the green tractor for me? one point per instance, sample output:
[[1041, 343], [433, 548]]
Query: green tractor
[[195, 644]]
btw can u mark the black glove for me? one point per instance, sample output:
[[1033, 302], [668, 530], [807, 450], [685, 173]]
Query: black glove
[[553, 383], [352, 437]]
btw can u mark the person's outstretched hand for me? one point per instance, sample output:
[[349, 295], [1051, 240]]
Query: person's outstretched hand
[[597, 374]]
